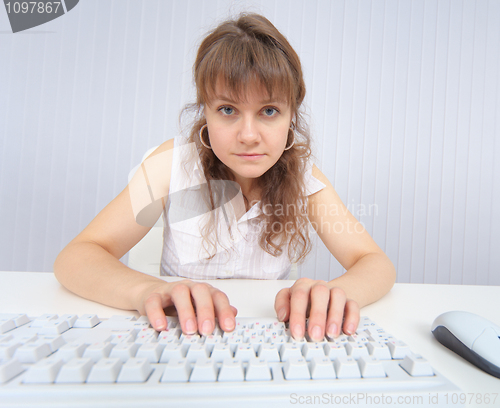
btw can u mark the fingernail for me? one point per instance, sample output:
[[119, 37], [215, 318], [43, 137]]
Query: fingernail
[[229, 324], [298, 332], [332, 330], [160, 324], [206, 328], [316, 333], [190, 327], [350, 329], [282, 315]]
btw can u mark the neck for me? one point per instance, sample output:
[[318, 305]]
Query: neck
[[250, 190]]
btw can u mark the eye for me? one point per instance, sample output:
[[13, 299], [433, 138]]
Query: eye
[[226, 110], [270, 111]]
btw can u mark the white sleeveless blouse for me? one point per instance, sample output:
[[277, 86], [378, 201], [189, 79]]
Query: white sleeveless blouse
[[237, 253]]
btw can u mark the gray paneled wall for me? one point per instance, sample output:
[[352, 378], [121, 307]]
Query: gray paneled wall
[[403, 96]]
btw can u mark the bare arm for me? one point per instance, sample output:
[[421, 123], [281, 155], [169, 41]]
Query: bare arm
[[89, 265], [369, 272]]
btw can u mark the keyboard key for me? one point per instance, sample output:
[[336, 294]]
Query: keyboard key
[[170, 332], [256, 341], [124, 351], [71, 350], [75, 371], [146, 336], [211, 341], [6, 337], [55, 342], [398, 349], [269, 352], [106, 370], [177, 370], [9, 369], [123, 336], [279, 326], [258, 370], [311, 350], [118, 320], [357, 338], [234, 341], [54, 327], [346, 367], [19, 319], [195, 352], [220, 352], [370, 367], [204, 370], [231, 370], [356, 350], [87, 321], [278, 339], [187, 341], [168, 338], [6, 325], [296, 369], [8, 348], [45, 371], [27, 338], [96, 351], [70, 318], [32, 352], [379, 350], [249, 333], [135, 370], [416, 366], [244, 352], [171, 351], [334, 350], [290, 350], [322, 368], [43, 319], [150, 351]]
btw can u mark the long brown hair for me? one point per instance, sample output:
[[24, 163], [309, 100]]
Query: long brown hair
[[242, 52]]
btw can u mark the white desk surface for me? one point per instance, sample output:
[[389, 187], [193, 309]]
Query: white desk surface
[[407, 312]]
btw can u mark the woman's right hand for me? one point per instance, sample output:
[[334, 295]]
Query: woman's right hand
[[197, 305]]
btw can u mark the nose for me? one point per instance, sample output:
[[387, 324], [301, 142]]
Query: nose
[[248, 132]]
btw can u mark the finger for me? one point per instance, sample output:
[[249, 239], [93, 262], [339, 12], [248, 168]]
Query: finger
[[181, 298], [320, 297], [235, 311], [351, 317], [299, 302], [224, 311], [335, 312], [282, 304], [155, 313], [202, 299]]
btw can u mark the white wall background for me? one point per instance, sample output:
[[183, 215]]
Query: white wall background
[[404, 99]]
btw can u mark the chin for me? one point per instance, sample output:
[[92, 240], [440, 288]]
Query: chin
[[252, 174]]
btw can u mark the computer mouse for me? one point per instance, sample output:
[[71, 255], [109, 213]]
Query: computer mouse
[[471, 337]]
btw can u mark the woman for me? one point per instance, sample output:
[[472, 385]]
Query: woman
[[248, 133]]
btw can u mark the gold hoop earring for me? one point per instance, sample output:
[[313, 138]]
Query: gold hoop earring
[[200, 134], [293, 141]]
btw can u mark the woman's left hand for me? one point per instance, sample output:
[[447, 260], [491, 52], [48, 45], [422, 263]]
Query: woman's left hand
[[326, 305]]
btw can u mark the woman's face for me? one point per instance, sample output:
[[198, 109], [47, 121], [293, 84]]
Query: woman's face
[[248, 136]]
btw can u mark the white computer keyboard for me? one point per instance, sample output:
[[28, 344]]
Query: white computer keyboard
[[71, 360]]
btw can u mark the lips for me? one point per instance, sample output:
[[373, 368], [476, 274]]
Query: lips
[[250, 156]]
